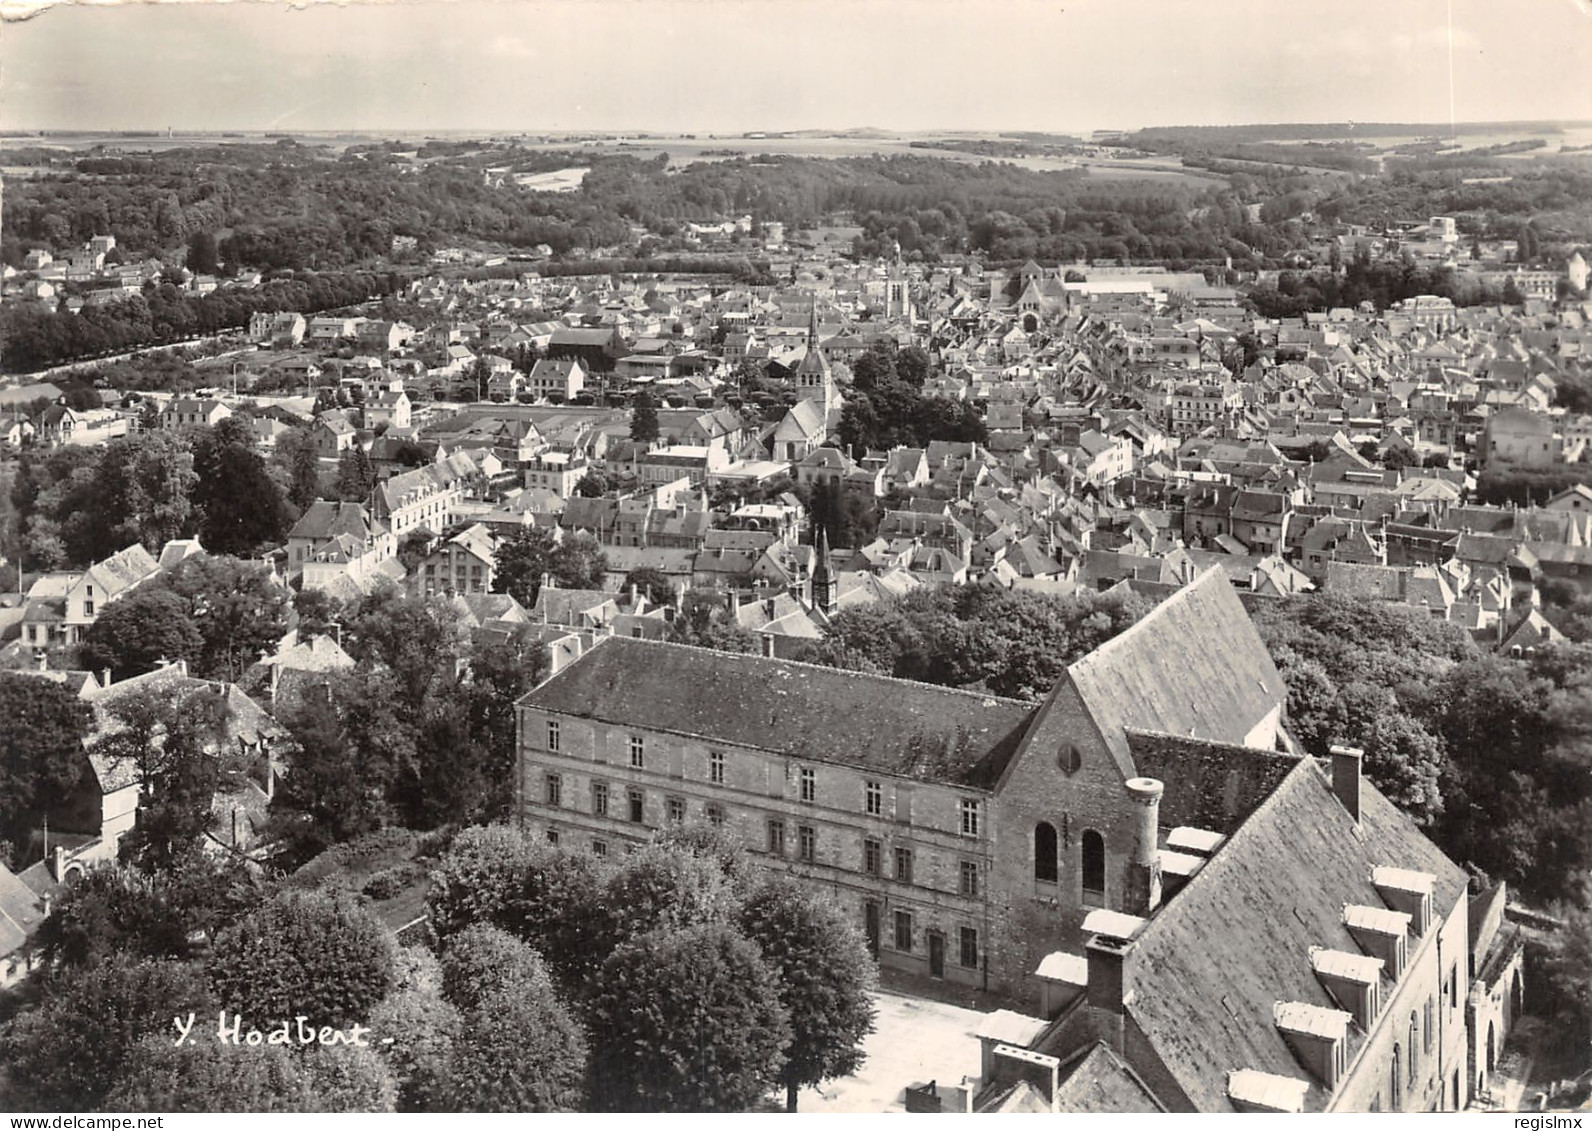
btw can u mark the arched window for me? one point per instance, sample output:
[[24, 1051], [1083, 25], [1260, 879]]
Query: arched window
[[1415, 1048], [1094, 862], [1045, 851], [1397, 1094]]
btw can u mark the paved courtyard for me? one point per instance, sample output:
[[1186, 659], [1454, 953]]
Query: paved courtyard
[[915, 1040]]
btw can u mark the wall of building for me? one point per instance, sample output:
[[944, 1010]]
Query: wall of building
[[1430, 964], [1032, 917], [761, 786]]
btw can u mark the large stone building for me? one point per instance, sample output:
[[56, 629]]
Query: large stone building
[[1181, 898], [971, 833]]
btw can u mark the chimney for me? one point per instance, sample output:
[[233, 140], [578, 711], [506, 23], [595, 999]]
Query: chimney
[[59, 867], [1346, 764], [1142, 888]]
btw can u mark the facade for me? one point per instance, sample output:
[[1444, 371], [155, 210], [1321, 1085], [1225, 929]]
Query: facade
[[185, 412], [556, 379], [463, 563], [1194, 408], [1521, 437]]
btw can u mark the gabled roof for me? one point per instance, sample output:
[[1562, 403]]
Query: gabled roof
[[123, 569], [1165, 674], [801, 710], [1207, 971], [327, 519]]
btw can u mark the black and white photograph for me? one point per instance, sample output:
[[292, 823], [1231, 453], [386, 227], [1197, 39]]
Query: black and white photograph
[[791, 556]]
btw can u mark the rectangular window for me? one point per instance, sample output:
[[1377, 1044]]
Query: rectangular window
[[873, 798], [555, 790], [969, 809], [638, 752], [809, 785], [716, 767], [88, 608], [968, 948], [638, 805], [552, 836], [599, 848], [599, 798], [903, 865], [807, 842], [714, 812], [676, 809], [970, 877], [552, 735], [872, 850], [776, 838], [903, 931]]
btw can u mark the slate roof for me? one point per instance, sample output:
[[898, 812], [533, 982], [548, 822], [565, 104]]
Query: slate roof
[[804, 711], [1098, 1080], [326, 519], [1213, 785], [1167, 673], [1207, 969]]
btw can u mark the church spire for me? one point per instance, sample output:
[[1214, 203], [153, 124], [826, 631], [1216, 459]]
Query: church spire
[[812, 328], [824, 581]]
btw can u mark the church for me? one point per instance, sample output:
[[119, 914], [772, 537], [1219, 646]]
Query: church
[[816, 414], [1143, 858]]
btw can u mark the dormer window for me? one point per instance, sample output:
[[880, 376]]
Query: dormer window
[[1318, 1036], [1409, 892], [1381, 933], [1353, 980]]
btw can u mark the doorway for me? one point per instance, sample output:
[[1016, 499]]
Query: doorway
[[936, 954], [870, 911]]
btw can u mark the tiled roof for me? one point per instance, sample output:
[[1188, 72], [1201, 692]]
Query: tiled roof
[[804, 711], [1209, 969]]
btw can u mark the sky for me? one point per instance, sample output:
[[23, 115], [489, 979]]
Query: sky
[[734, 65]]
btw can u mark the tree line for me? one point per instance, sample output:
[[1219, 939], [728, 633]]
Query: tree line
[[34, 337]]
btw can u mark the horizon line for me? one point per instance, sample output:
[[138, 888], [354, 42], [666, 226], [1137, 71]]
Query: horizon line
[[833, 131]]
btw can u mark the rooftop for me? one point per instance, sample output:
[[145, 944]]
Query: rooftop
[[805, 711]]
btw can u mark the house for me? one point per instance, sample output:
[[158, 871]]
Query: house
[[61, 426], [388, 410], [424, 497], [185, 412], [282, 329], [1521, 437], [556, 379], [461, 563], [102, 583], [333, 434], [346, 529]]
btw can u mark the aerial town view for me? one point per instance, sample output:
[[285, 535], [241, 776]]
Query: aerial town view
[[761, 557]]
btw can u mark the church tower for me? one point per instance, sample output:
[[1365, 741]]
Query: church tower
[[897, 300], [825, 584], [815, 381]]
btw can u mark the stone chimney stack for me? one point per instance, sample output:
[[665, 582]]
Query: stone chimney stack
[[1142, 887], [1346, 767]]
